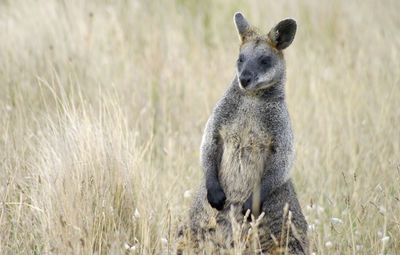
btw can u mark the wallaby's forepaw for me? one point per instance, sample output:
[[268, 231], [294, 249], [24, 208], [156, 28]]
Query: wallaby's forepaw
[[216, 197], [248, 205]]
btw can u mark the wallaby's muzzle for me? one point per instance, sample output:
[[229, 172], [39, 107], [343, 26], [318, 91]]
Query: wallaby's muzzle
[[245, 78]]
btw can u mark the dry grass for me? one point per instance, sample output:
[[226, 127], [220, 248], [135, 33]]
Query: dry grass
[[103, 103]]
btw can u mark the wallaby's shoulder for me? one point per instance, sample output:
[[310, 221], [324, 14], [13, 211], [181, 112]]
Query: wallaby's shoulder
[[227, 105]]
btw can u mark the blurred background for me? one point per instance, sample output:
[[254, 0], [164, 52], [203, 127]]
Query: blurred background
[[103, 105]]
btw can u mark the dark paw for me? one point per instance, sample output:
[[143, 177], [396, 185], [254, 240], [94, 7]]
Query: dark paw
[[216, 197], [248, 205]]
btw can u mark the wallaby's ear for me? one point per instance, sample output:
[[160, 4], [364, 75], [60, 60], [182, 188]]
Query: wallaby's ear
[[283, 33], [242, 25]]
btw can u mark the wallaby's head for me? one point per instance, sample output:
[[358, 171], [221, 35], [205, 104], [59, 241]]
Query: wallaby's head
[[260, 64]]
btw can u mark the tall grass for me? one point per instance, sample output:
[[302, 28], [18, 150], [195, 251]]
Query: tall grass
[[103, 103]]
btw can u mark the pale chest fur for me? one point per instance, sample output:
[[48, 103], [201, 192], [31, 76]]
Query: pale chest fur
[[245, 144]]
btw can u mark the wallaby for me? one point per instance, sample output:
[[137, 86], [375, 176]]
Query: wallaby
[[248, 147]]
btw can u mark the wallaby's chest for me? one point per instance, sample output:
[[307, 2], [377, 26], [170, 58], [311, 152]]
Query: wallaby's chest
[[245, 143], [246, 129]]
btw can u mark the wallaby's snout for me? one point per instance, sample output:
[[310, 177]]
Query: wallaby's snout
[[246, 77]]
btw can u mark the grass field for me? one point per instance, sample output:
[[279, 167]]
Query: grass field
[[103, 105]]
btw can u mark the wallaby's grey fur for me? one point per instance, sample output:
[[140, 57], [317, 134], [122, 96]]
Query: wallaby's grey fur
[[247, 147]]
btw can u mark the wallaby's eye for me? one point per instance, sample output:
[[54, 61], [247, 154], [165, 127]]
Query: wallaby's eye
[[265, 61], [240, 59]]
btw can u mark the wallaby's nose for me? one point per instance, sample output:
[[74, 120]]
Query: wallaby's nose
[[245, 78]]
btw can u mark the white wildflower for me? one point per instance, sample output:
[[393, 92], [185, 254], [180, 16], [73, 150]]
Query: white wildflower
[[385, 239], [143, 111], [382, 209], [187, 194], [336, 220], [311, 227], [320, 209], [130, 248], [137, 214], [8, 107], [164, 240], [328, 244]]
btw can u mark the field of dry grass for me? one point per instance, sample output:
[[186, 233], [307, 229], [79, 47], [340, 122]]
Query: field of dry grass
[[103, 104]]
